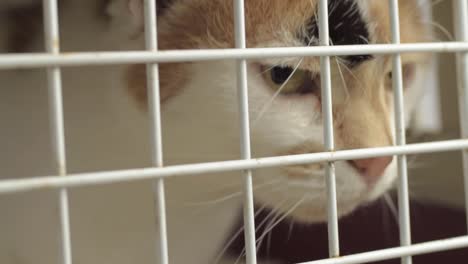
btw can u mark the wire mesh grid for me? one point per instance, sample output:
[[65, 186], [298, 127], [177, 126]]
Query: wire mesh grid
[[53, 61]]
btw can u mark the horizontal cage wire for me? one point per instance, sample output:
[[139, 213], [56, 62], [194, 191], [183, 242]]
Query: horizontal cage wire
[[36, 60], [108, 177], [53, 60]]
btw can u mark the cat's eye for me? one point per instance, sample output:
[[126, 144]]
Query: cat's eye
[[287, 80]]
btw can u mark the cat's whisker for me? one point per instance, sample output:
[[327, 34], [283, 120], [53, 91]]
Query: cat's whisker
[[238, 184], [220, 255], [363, 38], [350, 72], [234, 237], [290, 230], [386, 218], [265, 220], [275, 95], [342, 63], [415, 163], [268, 246], [242, 254], [302, 184], [267, 69], [276, 213], [231, 196], [391, 205], [342, 78], [272, 212], [445, 32], [295, 206]]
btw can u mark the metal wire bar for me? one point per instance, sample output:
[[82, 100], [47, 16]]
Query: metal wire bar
[[249, 218], [40, 60], [54, 60], [154, 108], [400, 137], [397, 252], [54, 79], [107, 177], [327, 117], [461, 28]]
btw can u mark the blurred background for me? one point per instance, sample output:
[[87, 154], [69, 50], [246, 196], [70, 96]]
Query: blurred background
[[439, 177], [436, 180]]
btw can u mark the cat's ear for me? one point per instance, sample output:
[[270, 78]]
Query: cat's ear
[[132, 11], [136, 8]]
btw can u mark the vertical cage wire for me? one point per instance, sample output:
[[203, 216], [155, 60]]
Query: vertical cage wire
[[327, 113], [249, 219], [154, 106], [52, 43], [54, 80], [403, 193], [461, 29]]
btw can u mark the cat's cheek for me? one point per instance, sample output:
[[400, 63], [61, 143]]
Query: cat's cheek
[[304, 197]]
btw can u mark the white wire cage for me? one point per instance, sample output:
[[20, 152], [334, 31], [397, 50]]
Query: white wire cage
[[62, 181]]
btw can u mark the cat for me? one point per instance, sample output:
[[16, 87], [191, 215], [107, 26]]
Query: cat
[[107, 126]]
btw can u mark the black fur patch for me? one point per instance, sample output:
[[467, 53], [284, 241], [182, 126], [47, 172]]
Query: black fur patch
[[346, 27]]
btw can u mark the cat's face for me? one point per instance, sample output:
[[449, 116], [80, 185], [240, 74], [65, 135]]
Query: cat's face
[[284, 93]]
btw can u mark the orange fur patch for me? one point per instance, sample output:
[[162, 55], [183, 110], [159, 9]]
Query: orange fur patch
[[361, 114]]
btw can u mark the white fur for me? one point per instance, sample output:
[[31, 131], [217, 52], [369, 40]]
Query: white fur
[[105, 130]]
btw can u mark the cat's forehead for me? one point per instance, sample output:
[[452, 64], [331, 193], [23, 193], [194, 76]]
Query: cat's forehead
[[350, 21], [294, 22], [193, 24]]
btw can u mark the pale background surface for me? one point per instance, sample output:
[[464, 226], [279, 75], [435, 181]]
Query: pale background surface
[[439, 176]]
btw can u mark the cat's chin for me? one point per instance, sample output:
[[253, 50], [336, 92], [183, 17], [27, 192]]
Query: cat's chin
[[308, 214], [307, 211], [305, 200]]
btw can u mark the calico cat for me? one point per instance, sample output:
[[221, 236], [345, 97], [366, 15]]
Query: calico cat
[[107, 127]]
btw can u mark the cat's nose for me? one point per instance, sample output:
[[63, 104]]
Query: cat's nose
[[371, 169]]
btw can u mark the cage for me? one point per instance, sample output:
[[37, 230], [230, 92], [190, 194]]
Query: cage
[[47, 188]]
